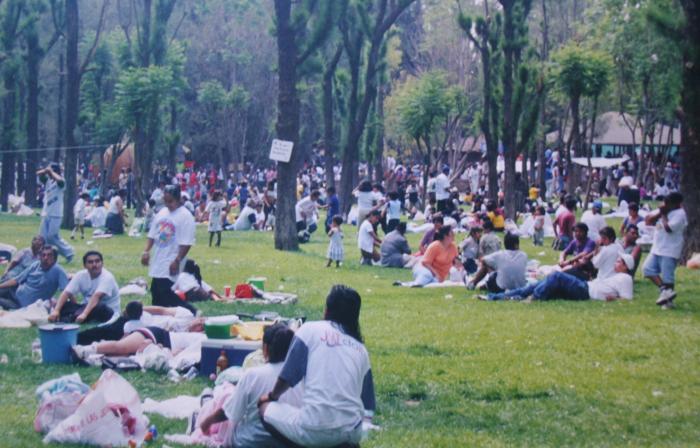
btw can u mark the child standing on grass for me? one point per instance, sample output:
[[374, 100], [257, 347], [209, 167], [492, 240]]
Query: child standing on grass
[[79, 214], [335, 246], [215, 208], [538, 235]]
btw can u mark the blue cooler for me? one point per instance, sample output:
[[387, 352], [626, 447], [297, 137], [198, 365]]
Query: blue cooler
[[56, 341], [236, 351]]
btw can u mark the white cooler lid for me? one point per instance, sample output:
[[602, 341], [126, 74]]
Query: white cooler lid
[[232, 344]]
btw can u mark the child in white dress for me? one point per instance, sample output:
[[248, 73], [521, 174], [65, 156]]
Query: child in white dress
[[215, 208], [335, 246]]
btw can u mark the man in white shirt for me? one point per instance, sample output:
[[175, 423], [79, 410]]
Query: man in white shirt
[[172, 234], [560, 285], [99, 290], [660, 266], [367, 239], [594, 219], [157, 196], [52, 213], [249, 219], [305, 210], [607, 254], [442, 190]]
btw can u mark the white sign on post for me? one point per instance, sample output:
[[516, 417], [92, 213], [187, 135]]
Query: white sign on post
[[281, 150]]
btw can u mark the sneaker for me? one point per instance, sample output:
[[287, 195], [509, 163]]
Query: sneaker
[[667, 295], [85, 355], [668, 305], [396, 283], [482, 297], [516, 298]]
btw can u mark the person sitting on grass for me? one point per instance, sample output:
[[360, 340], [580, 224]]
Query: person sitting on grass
[[189, 285], [99, 290], [660, 266], [116, 214], [39, 281], [395, 250], [470, 250], [242, 407], [560, 285], [429, 236], [581, 247], [507, 267], [331, 360], [367, 239], [593, 218], [489, 242], [630, 246], [632, 218], [606, 254], [23, 258], [437, 261]]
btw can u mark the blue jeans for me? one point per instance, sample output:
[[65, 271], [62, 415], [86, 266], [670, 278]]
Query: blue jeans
[[50, 227], [664, 267], [557, 285], [422, 276]]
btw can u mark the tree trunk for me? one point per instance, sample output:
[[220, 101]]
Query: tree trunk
[[287, 127], [379, 138], [8, 137], [589, 154], [172, 144], [575, 140], [690, 128], [72, 105], [60, 126], [328, 117], [541, 147], [33, 59], [509, 124]]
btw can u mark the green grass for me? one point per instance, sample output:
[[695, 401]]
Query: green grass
[[448, 371]]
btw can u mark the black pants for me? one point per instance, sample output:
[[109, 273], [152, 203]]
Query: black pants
[[8, 298], [163, 295], [491, 284], [71, 310], [111, 332]]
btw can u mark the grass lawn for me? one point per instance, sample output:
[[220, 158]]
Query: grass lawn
[[449, 370]]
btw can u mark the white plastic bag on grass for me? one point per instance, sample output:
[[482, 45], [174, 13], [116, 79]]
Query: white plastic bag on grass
[[55, 408], [110, 415]]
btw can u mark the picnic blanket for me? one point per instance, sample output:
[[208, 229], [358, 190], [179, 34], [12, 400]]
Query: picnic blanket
[[269, 298], [34, 314]]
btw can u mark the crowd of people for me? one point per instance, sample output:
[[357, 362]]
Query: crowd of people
[[286, 400]]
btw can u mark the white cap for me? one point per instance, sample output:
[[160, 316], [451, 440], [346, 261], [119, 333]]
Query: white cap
[[629, 261]]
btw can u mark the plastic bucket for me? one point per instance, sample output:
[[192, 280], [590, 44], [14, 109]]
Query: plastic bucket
[[258, 282], [56, 341]]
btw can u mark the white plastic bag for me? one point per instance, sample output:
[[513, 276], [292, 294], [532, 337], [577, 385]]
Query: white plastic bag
[[54, 409], [109, 415]]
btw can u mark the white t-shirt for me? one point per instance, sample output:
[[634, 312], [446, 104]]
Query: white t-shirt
[[113, 205], [393, 210], [83, 284], [79, 209], [336, 374], [365, 199], [246, 219], [605, 260], [511, 266], [242, 407], [180, 322], [595, 222], [98, 217], [186, 282], [618, 285], [169, 231], [304, 209], [442, 187], [365, 241], [215, 208], [670, 244], [53, 199]]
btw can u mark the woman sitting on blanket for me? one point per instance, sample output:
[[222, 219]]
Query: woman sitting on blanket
[[137, 337], [242, 407]]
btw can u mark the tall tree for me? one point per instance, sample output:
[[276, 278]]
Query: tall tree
[[301, 28], [486, 35], [329, 139], [10, 15], [364, 28], [74, 72]]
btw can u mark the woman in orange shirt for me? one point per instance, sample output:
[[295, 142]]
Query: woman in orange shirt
[[438, 259]]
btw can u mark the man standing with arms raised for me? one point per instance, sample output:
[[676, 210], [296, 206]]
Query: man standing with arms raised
[[52, 213], [171, 236]]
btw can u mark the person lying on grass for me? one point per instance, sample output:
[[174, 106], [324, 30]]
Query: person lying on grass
[[99, 290], [242, 407], [331, 360], [560, 285], [135, 340]]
